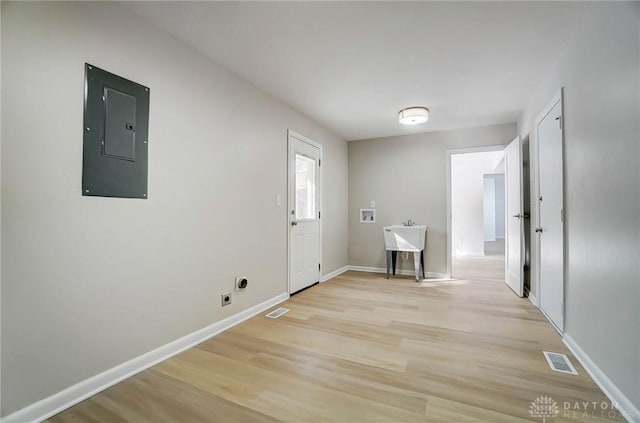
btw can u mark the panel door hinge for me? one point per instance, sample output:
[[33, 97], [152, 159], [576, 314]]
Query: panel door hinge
[[318, 267], [318, 215], [319, 162]]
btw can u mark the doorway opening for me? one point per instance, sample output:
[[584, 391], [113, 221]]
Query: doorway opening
[[477, 214]]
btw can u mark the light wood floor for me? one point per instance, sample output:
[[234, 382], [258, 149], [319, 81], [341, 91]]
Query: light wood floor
[[494, 247], [488, 268], [361, 348]]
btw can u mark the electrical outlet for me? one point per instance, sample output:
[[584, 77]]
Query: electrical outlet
[[225, 299], [241, 283]]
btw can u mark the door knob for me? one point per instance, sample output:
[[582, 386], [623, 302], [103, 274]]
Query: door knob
[[517, 215], [294, 223], [539, 230]]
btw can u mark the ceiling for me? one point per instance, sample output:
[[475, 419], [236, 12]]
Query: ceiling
[[352, 66]]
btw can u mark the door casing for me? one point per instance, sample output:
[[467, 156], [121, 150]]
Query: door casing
[[291, 135], [449, 153], [536, 165]]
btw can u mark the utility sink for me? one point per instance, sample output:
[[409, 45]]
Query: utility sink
[[404, 238]]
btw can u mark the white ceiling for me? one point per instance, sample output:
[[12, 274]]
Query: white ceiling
[[352, 66]]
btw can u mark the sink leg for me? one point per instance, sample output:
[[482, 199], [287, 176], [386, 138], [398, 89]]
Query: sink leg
[[388, 263], [394, 256], [416, 264]]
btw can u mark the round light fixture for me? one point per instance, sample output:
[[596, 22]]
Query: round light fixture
[[413, 115]]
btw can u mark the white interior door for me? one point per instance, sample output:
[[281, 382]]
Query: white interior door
[[550, 229], [304, 213], [514, 220]]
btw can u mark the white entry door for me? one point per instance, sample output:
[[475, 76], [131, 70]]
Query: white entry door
[[514, 248], [550, 228], [304, 212]]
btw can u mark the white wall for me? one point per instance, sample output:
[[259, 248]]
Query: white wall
[[600, 73], [489, 208], [494, 207], [406, 177], [500, 205], [90, 282]]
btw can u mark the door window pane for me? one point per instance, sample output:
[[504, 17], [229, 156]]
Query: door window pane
[[305, 187]]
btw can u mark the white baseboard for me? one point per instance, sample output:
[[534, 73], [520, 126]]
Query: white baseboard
[[72, 395], [623, 404], [533, 299], [333, 274], [398, 271]]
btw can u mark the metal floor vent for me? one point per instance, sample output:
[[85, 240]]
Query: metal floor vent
[[277, 312], [559, 363]]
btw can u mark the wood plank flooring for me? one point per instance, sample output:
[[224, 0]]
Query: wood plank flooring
[[360, 348], [489, 267]]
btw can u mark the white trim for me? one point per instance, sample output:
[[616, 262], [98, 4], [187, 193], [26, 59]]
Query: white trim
[[293, 134], [72, 395], [448, 155], [333, 274], [471, 254], [368, 269], [398, 272], [550, 105], [623, 404], [560, 332], [533, 299], [535, 237]]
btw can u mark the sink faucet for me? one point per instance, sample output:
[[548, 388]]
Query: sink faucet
[[410, 222]]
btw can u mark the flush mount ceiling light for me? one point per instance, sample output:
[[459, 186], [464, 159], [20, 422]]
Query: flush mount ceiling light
[[413, 115]]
